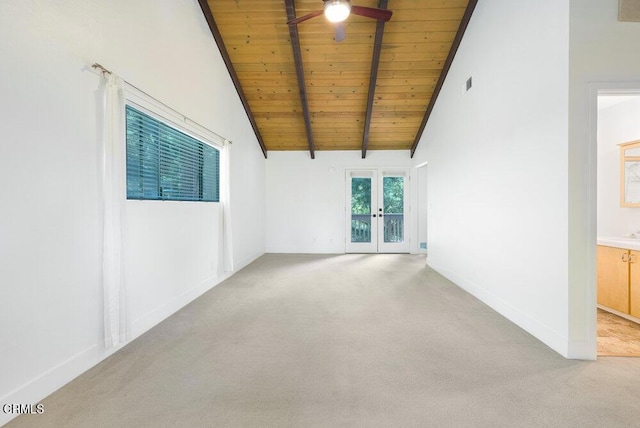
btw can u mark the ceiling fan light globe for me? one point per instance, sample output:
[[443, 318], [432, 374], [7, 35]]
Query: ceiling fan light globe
[[337, 10]]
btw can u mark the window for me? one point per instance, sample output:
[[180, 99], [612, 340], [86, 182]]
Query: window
[[164, 163]]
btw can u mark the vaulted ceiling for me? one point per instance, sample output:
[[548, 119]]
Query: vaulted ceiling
[[304, 91]]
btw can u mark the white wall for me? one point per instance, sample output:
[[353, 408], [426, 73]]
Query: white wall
[[603, 51], [306, 198], [51, 223], [247, 193], [423, 206], [617, 124], [497, 160]]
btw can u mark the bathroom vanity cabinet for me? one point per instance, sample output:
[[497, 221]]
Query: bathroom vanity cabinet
[[619, 279]]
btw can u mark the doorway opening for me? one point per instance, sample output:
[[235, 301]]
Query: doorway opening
[[617, 223], [377, 211]]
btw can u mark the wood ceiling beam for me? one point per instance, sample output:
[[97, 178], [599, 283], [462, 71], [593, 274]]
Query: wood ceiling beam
[[206, 10], [375, 61], [297, 57], [443, 75]]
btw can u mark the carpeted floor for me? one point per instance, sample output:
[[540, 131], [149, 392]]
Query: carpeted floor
[[617, 337], [351, 341]]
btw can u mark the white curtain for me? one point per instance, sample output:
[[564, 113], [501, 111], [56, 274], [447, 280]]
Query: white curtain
[[225, 199], [116, 330]]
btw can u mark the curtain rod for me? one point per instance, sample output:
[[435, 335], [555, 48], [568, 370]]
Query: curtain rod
[[100, 67], [185, 118]]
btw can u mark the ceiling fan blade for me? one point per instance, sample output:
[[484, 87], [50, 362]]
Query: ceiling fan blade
[[305, 17], [370, 12], [340, 31]]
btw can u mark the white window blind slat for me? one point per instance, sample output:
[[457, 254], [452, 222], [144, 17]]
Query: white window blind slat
[[163, 163]]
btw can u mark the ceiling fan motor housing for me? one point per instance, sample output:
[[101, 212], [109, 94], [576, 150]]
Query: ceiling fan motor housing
[[337, 10]]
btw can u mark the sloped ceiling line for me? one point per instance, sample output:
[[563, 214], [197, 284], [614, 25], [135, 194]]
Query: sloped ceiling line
[[297, 57], [232, 72], [263, 56], [445, 70], [375, 62]]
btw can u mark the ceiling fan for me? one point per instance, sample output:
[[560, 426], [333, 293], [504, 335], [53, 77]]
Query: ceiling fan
[[337, 11]]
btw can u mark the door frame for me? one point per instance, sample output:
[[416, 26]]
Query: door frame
[[361, 247], [405, 245], [588, 306], [421, 208], [376, 245]]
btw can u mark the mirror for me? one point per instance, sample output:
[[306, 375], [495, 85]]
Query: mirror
[[630, 174]]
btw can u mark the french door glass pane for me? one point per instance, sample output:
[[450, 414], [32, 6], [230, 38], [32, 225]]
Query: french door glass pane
[[393, 205], [360, 209]]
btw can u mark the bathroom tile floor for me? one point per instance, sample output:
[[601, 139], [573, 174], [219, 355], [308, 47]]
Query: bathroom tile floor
[[617, 336]]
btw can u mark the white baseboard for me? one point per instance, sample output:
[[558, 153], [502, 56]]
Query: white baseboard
[[305, 249], [53, 379], [155, 317], [241, 264], [582, 351], [545, 334]]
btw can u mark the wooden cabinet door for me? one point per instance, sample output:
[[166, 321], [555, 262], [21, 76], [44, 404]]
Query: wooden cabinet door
[[634, 283], [613, 278]]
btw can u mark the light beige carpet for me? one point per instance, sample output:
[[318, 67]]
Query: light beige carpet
[[617, 336], [343, 341]]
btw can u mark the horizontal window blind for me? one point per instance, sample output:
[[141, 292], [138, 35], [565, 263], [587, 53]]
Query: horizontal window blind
[[164, 163]]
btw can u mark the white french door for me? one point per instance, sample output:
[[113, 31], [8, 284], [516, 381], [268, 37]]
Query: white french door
[[362, 211], [377, 211]]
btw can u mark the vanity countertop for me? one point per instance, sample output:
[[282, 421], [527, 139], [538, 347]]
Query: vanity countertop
[[628, 242]]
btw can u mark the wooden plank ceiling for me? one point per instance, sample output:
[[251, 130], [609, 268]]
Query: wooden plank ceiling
[[417, 46]]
